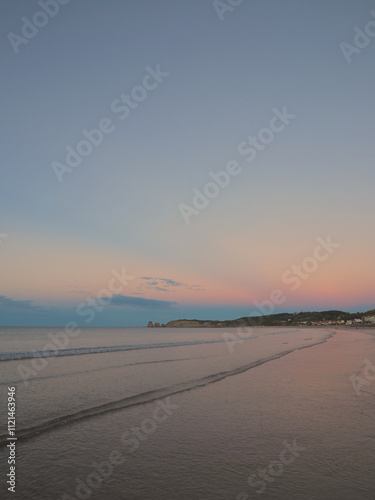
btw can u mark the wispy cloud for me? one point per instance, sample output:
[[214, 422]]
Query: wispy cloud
[[172, 282], [196, 288], [7, 304], [140, 302], [164, 285]]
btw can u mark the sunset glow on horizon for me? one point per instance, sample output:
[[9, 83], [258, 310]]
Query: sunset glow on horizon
[[208, 168]]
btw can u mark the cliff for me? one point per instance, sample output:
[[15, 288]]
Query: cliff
[[314, 318]]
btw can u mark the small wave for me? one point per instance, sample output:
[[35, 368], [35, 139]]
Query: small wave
[[8, 383], [80, 351], [139, 399]]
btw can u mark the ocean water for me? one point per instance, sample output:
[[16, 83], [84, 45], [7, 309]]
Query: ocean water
[[137, 413]]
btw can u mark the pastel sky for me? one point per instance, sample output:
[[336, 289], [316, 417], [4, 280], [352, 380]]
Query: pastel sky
[[216, 76]]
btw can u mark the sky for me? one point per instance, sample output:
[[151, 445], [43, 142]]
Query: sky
[[165, 160]]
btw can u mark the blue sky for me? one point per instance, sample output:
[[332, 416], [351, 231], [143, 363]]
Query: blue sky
[[120, 206]]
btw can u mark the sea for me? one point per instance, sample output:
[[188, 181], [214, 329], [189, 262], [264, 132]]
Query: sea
[[187, 413]]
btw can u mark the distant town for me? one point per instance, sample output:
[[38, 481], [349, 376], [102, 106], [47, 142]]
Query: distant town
[[315, 318]]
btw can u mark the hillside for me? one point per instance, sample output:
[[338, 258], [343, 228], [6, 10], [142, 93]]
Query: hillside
[[313, 318]]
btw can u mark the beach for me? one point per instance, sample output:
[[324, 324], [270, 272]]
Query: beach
[[274, 416]]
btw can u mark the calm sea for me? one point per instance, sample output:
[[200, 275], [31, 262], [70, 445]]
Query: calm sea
[[190, 414]]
